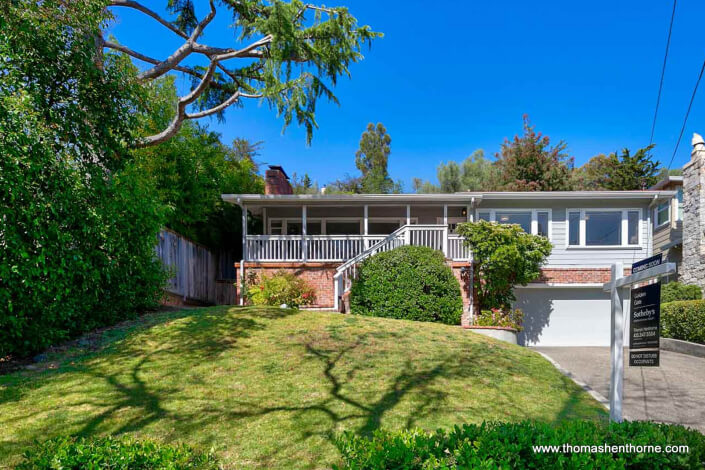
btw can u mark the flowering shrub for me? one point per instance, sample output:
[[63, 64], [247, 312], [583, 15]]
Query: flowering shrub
[[496, 317], [281, 288]]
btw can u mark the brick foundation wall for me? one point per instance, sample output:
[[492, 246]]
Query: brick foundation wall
[[318, 275], [576, 275]]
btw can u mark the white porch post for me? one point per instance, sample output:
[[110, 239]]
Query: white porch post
[[408, 214], [304, 238], [468, 212], [244, 232], [445, 229], [617, 346], [365, 218]]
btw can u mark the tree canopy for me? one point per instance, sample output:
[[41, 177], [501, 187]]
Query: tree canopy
[[288, 54], [530, 163], [372, 158]]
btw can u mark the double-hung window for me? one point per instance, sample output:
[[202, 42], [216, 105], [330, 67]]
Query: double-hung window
[[662, 214], [604, 227], [534, 221]]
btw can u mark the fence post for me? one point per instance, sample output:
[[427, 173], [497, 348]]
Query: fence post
[[445, 240]]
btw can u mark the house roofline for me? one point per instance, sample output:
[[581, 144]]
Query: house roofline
[[667, 180], [461, 197]]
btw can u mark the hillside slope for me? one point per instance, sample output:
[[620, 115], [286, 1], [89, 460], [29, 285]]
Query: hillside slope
[[268, 388]]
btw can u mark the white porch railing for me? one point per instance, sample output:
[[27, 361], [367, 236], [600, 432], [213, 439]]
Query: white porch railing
[[317, 247]]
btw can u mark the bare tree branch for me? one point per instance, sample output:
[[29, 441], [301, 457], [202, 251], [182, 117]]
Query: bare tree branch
[[216, 109], [179, 54], [139, 7]]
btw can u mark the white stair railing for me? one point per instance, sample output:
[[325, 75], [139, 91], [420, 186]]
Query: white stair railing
[[432, 236]]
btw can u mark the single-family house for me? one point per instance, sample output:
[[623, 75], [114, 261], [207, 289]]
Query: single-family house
[[323, 238], [667, 220]]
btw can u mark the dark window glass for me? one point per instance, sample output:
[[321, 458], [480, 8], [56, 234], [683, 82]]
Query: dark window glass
[[519, 218], [574, 228], [542, 223], [342, 228], [633, 232], [294, 228], [603, 228], [483, 216], [381, 228]]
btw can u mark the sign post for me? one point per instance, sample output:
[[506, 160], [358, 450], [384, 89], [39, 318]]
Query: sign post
[[645, 313]]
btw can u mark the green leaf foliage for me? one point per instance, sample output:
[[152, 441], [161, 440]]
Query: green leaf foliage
[[372, 158], [497, 445], [504, 256], [311, 48], [409, 282], [281, 288], [684, 320], [78, 222], [115, 454], [192, 170], [673, 291]]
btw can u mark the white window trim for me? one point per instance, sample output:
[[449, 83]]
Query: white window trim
[[669, 206], [625, 229], [534, 218]]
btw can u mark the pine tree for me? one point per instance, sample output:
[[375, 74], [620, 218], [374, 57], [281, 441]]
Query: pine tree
[[371, 159], [632, 172]]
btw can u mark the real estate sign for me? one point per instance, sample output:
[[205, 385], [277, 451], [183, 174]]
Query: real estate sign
[[645, 318]]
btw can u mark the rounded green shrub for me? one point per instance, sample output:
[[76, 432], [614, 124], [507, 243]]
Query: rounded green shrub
[[115, 454], [673, 291], [684, 320], [409, 282], [511, 445]]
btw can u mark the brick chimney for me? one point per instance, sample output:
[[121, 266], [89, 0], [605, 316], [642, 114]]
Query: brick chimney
[[276, 181], [692, 269]]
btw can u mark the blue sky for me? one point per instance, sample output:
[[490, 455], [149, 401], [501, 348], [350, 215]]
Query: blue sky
[[452, 77]]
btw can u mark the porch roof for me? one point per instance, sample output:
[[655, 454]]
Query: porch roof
[[459, 198]]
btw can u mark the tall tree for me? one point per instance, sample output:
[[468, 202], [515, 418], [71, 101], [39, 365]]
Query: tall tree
[[421, 186], [371, 159], [593, 174], [287, 54], [303, 184], [478, 173], [449, 177], [632, 172], [530, 163]]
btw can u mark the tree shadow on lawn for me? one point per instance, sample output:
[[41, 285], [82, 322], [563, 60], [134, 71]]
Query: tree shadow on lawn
[[135, 403]]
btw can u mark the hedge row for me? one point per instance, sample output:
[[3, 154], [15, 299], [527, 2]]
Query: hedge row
[[510, 445], [114, 454], [684, 320]]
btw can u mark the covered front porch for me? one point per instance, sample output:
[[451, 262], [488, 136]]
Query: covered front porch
[[339, 228]]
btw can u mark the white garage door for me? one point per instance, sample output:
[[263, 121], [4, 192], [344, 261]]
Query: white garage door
[[564, 316]]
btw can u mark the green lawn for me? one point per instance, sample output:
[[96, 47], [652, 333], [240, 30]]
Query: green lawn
[[267, 388]]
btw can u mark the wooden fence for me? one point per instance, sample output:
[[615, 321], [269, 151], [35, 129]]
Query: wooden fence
[[195, 271]]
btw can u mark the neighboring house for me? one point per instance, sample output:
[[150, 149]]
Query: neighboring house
[[668, 221], [322, 238]]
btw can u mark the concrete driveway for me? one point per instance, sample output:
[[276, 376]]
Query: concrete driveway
[[671, 393]]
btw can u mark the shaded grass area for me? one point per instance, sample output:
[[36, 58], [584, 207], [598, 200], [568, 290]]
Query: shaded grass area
[[269, 388]]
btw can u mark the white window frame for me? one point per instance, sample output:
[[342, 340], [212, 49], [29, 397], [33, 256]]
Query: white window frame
[[669, 207], [534, 217], [625, 229], [678, 204]]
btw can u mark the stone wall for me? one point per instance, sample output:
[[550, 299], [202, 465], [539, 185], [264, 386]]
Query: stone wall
[[692, 270]]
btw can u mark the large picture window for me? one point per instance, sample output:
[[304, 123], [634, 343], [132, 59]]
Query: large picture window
[[604, 227], [534, 221]]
